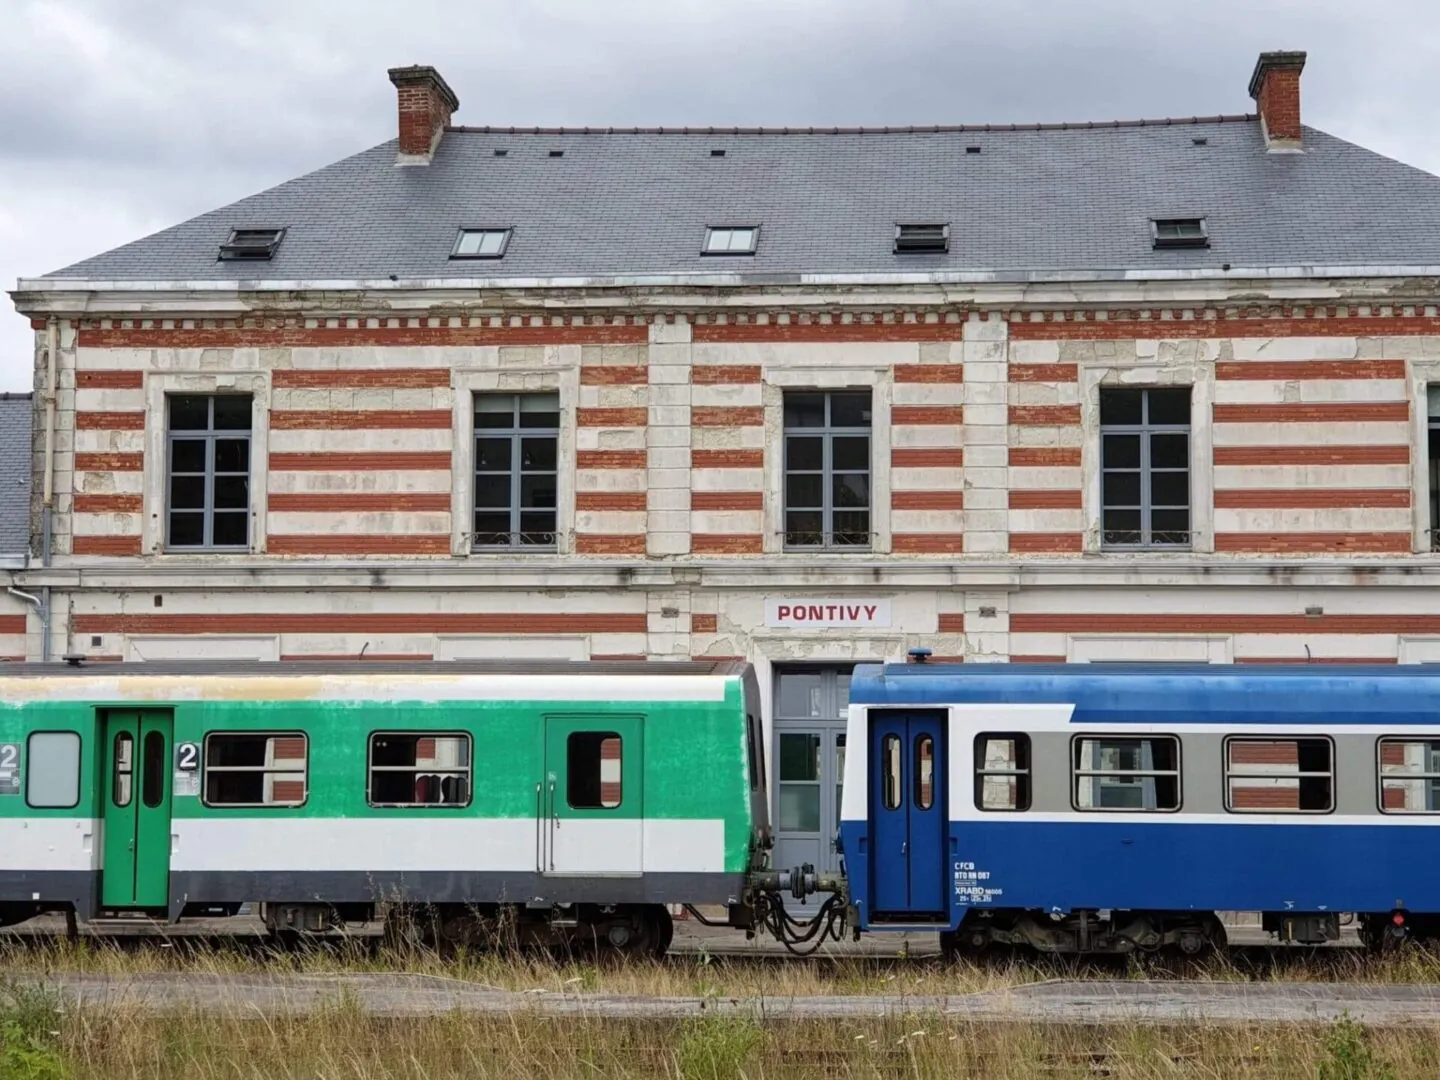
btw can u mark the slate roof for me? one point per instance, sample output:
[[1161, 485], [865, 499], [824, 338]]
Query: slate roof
[[16, 415], [1045, 198]]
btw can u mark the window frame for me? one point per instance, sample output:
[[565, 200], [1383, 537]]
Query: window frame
[[417, 734], [233, 249], [921, 230], [269, 733], [1227, 773], [30, 771], [604, 734], [827, 433], [210, 435], [1025, 774], [507, 233], [1380, 776], [712, 230], [515, 434], [1076, 772], [1144, 431], [1164, 243]]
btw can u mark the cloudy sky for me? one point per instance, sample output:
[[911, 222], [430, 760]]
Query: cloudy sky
[[121, 117]]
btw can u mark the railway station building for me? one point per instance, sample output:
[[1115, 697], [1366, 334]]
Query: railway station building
[[1142, 390]]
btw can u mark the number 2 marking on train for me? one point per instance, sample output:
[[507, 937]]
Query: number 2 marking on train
[[187, 757], [9, 755]]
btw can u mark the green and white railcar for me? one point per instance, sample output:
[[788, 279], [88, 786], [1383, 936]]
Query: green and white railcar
[[577, 796]]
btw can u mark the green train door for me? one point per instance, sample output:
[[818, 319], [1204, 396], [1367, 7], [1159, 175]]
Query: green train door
[[136, 870], [591, 804]]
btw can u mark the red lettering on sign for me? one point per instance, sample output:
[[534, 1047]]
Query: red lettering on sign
[[783, 611]]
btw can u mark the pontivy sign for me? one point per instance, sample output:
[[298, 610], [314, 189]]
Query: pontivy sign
[[803, 613]]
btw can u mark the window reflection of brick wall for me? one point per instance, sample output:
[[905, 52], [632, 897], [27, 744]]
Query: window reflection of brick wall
[[610, 779]]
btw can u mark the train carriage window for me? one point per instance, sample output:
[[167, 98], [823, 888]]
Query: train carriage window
[[123, 757], [593, 770], [254, 768], [924, 772], [890, 763], [1002, 772], [419, 769], [1125, 773], [1409, 776], [1279, 776], [52, 770]]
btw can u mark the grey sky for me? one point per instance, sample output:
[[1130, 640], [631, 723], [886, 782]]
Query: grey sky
[[121, 117]]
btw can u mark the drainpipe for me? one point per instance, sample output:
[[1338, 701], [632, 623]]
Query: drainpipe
[[52, 342], [42, 608]]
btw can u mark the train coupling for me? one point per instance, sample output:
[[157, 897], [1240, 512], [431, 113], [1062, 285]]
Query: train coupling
[[798, 881]]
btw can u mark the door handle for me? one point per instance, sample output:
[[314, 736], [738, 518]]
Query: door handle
[[539, 816], [554, 824], [904, 847]]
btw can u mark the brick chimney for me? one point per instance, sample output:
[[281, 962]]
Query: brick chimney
[[1276, 87], [426, 102]]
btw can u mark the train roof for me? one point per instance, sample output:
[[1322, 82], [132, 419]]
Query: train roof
[[312, 668], [1159, 693]]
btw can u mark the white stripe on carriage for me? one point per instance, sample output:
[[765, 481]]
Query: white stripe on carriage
[[49, 843]]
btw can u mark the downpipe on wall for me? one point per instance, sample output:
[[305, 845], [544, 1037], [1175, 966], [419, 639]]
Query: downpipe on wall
[[42, 608]]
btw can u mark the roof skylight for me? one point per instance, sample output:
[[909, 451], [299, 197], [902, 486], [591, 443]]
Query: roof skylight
[[1180, 232], [922, 238], [256, 244], [481, 244], [731, 240]]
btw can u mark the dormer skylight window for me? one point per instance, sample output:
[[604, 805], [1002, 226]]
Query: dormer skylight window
[[922, 238], [251, 244], [1180, 232], [731, 239], [481, 244]]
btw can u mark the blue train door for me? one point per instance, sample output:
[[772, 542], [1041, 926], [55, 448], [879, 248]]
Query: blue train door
[[907, 814]]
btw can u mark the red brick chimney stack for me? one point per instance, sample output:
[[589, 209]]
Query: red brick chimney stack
[[426, 103], [1276, 87]]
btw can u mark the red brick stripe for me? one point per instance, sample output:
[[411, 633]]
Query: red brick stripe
[[727, 416], [1302, 413], [614, 375], [111, 462], [929, 373], [110, 421], [610, 459], [1207, 623], [360, 419], [727, 500], [618, 656], [1261, 325], [727, 459], [1285, 370], [105, 545], [393, 378], [927, 414], [280, 337], [1032, 373], [340, 502], [1044, 456], [1312, 455], [732, 332], [927, 500], [399, 657], [1340, 543], [365, 623], [1308, 498], [725, 374], [704, 624], [952, 622], [927, 457], [1315, 660], [609, 500], [391, 461], [1066, 543], [1046, 499], [340, 544], [625, 418], [727, 544], [12, 624], [927, 543], [107, 504], [609, 544], [1044, 415], [109, 380]]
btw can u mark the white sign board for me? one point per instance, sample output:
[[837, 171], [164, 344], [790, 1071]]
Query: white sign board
[[806, 613]]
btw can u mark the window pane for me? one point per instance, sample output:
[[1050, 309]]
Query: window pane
[[799, 756], [798, 697], [232, 455], [538, 492], [152, 770], [187, 530], [1170, 451], [493, 490], [592, 770], [1121, 406], [1121, 452], [852, 527], [123, 764], [537, 527], [491, 242], [850, 410], [491, 529], [850, 452], [1000, 781], [469, 243], [538, 453], [1122, 526], [230, 529], [189, 412], [232, 412], [419, 769], [1170, 526], [804, 528], [890, 765], [804, 453], [804, 410], [1171, 406], [187, 492], [924, 772], [1170, 489], [492, 455], [494, 410], [249, 769], [1121, 774], [187, 456], [52, 769], [800, 807], [1122, 488], [1279, 775], [851, 490], [232, 492], [540, 410], [804, 490]]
